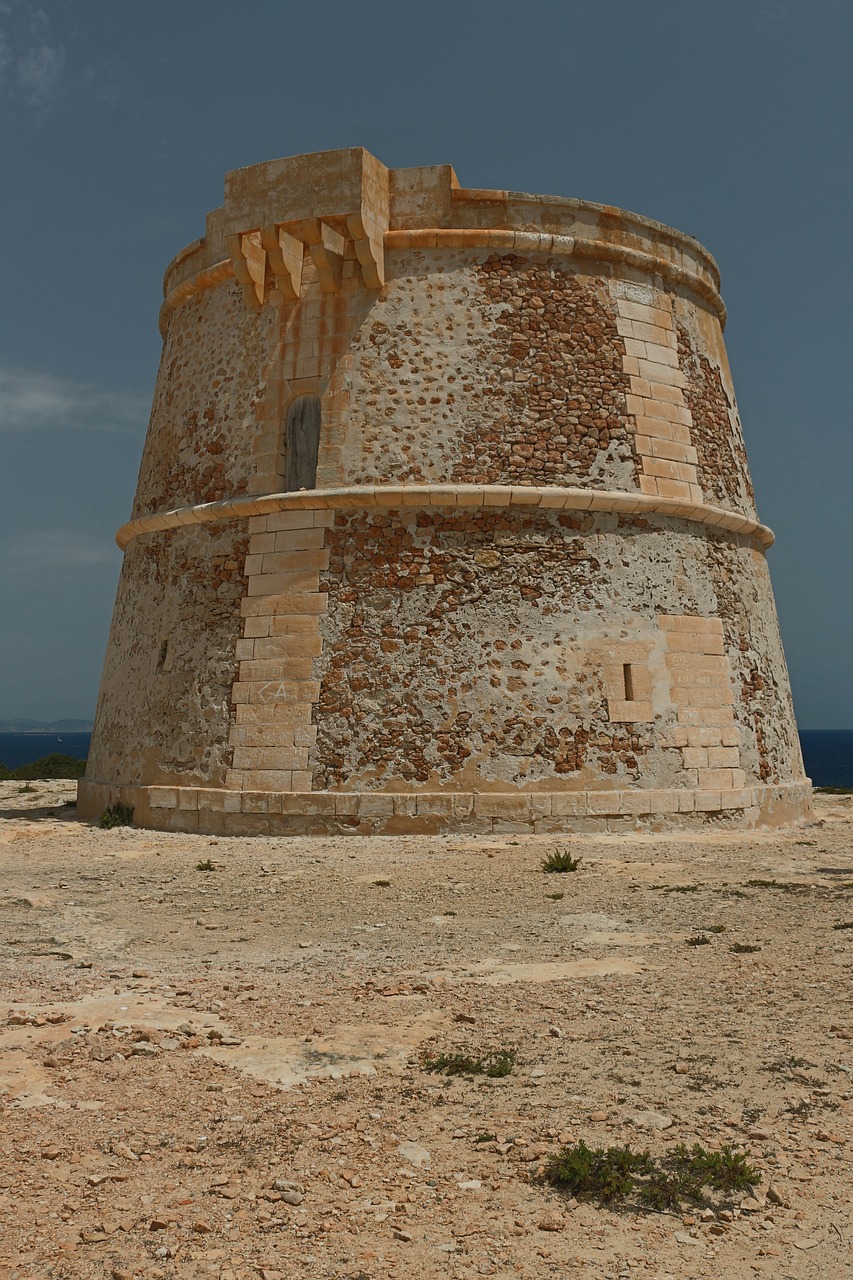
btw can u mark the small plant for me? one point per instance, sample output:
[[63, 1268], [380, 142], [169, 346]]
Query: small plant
[[494, 1064], [670, 1182], [799, 1109], [685, 1177], [784, 1066], [500, 1064], [207, 865], [848, 924], [555, 897], [743, 948], [560, 861], [382, 884], [117, 815], [604, 1176], [714, 928], [787, 886], [25, 787], [699, 941], [486, 1137], [729, 890]]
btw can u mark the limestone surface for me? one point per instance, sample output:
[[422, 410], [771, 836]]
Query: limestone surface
[[224, 1072]]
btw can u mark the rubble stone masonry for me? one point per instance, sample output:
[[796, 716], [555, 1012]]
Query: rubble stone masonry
[[529, 590]]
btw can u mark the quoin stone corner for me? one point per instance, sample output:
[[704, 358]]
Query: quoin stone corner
[[444, 523]]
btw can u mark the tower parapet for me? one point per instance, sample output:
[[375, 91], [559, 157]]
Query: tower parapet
[[444, 522]]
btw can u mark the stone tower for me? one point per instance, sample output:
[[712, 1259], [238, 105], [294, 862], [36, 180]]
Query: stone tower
[[444, 522]]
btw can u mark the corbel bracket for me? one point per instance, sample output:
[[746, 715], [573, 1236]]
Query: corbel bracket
[[326, 247], [250, 265], [285, 254], [273, 212]]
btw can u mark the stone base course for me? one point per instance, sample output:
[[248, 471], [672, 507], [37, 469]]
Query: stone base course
[[283, 813]]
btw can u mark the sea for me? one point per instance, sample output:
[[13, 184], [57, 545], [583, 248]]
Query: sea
[[23, 748], [828, 756], [827, 753]]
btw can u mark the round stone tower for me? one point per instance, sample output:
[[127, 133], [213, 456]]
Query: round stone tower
[[443, 523]]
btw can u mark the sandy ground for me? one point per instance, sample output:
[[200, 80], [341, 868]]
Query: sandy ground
[[219, 1072]]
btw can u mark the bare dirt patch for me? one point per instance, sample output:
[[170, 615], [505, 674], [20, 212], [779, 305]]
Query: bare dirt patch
[[221, 1072]]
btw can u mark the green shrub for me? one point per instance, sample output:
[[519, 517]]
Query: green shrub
[[677, 1179], [494, 1065], [48, 767], [596, 1174], [560, 861], [117, 815]]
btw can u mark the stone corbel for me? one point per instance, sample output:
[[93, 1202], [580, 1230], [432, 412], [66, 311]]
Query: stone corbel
[[368, 238], [277, 251], [322, 203], [285, 254], [250, 265], [326, 247]]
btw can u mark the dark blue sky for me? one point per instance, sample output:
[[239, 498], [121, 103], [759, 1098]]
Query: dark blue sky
[[730, 121]]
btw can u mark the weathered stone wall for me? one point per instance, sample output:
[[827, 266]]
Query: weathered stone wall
[[473, 651], [469, 367], [716, 430], [493, 368], [765, 712], [202, 434], [164, 708], [553, 372], [501, 370]]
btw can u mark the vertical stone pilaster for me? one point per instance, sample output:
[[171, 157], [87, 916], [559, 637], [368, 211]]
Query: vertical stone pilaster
[[275, 691], [703, 700], [656, 401]]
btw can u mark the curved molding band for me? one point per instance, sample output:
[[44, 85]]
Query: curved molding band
[[497, 239], [188, 288], [359, 497]]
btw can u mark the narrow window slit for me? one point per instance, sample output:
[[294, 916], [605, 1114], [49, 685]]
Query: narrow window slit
[[302, 443], [628, 677]]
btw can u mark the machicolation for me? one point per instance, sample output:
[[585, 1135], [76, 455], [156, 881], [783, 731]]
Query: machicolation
[[443, 523]]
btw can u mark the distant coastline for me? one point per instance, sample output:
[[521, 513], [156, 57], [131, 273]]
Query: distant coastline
[[25, 725]]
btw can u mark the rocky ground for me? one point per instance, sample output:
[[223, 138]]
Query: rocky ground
[[220, 1072]]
